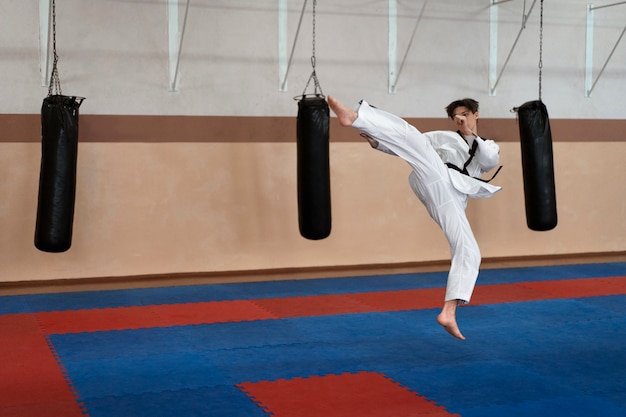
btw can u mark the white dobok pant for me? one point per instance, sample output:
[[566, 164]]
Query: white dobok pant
[[431, 183]]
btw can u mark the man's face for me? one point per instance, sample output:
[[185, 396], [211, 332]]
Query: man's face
[[464, 119]]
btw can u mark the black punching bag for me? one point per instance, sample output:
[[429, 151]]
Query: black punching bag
[[313, 168], [537, 166], [57, 179]]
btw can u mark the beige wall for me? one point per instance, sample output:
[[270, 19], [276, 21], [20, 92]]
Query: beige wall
[[165, 185], [177, 207]]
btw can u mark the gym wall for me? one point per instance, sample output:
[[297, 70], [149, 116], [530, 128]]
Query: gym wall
[[203, 179]]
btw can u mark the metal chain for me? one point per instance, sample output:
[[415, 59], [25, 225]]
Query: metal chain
[[318, 88], [55, 82], [313, 40], [540, 48]]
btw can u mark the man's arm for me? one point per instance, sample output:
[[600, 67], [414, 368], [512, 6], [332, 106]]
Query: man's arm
[[487, 154]]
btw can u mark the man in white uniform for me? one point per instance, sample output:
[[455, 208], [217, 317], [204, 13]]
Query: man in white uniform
[[446, 170]]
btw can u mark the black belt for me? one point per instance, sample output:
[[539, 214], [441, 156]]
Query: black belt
[[464, 172], [471, 156]]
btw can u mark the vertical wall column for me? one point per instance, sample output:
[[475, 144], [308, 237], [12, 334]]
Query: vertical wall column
[[283, 63], [44, 41], [394, 68], [493, 39], [393, 46], [176, 36], [589, 82], [493, 47], [589, 52]]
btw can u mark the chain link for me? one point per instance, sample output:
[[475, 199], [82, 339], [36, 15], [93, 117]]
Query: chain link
[[318, 87], [55, 82], [540, 48], [314, 28]]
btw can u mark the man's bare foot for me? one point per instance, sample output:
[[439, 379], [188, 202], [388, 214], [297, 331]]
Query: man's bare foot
[[447, 319], [346, 115]]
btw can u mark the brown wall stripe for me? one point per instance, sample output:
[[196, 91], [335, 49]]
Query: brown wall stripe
[[142, 128]]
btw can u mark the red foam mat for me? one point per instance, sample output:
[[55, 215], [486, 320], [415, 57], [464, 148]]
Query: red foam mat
[[549, 290], [314, 305], [575, 288], [365, 394], [402, 300], [122, 318], [32, 383]]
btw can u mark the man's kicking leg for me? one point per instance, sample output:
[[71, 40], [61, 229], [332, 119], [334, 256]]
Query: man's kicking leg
[[346, 115]]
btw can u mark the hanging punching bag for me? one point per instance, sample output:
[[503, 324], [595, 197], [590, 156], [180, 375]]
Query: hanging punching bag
[[57, 179], [537, 166], [314, 212]]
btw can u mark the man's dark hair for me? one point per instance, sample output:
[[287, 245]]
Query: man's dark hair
[[470, 103]]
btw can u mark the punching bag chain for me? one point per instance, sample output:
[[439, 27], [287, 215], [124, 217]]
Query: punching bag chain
[[318, 88], [55, 82], [540, 47]]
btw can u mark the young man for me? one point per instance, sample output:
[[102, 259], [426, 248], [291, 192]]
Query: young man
[[446, 166]]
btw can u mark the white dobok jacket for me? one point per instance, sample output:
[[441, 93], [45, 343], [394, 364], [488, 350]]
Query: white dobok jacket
[[452, 149]]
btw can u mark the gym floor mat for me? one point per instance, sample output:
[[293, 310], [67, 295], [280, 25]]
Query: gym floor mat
[[540, 341]]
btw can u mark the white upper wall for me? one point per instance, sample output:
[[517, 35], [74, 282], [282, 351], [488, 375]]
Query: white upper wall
[[115, 53]]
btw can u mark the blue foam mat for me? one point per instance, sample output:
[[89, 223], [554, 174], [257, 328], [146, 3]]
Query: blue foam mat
[[549, 358], [539, 358], [242, 291], [210, 401]]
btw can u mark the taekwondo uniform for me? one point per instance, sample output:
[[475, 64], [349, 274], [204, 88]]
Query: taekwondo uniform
[[441, 181]]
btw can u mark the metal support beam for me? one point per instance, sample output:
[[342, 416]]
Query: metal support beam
[[589, 52], [284, 64], [176, 36], [493, 52], [589, 82], [607, 5], [394, 70], [392, 45], [493, 47], [44, 40]]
